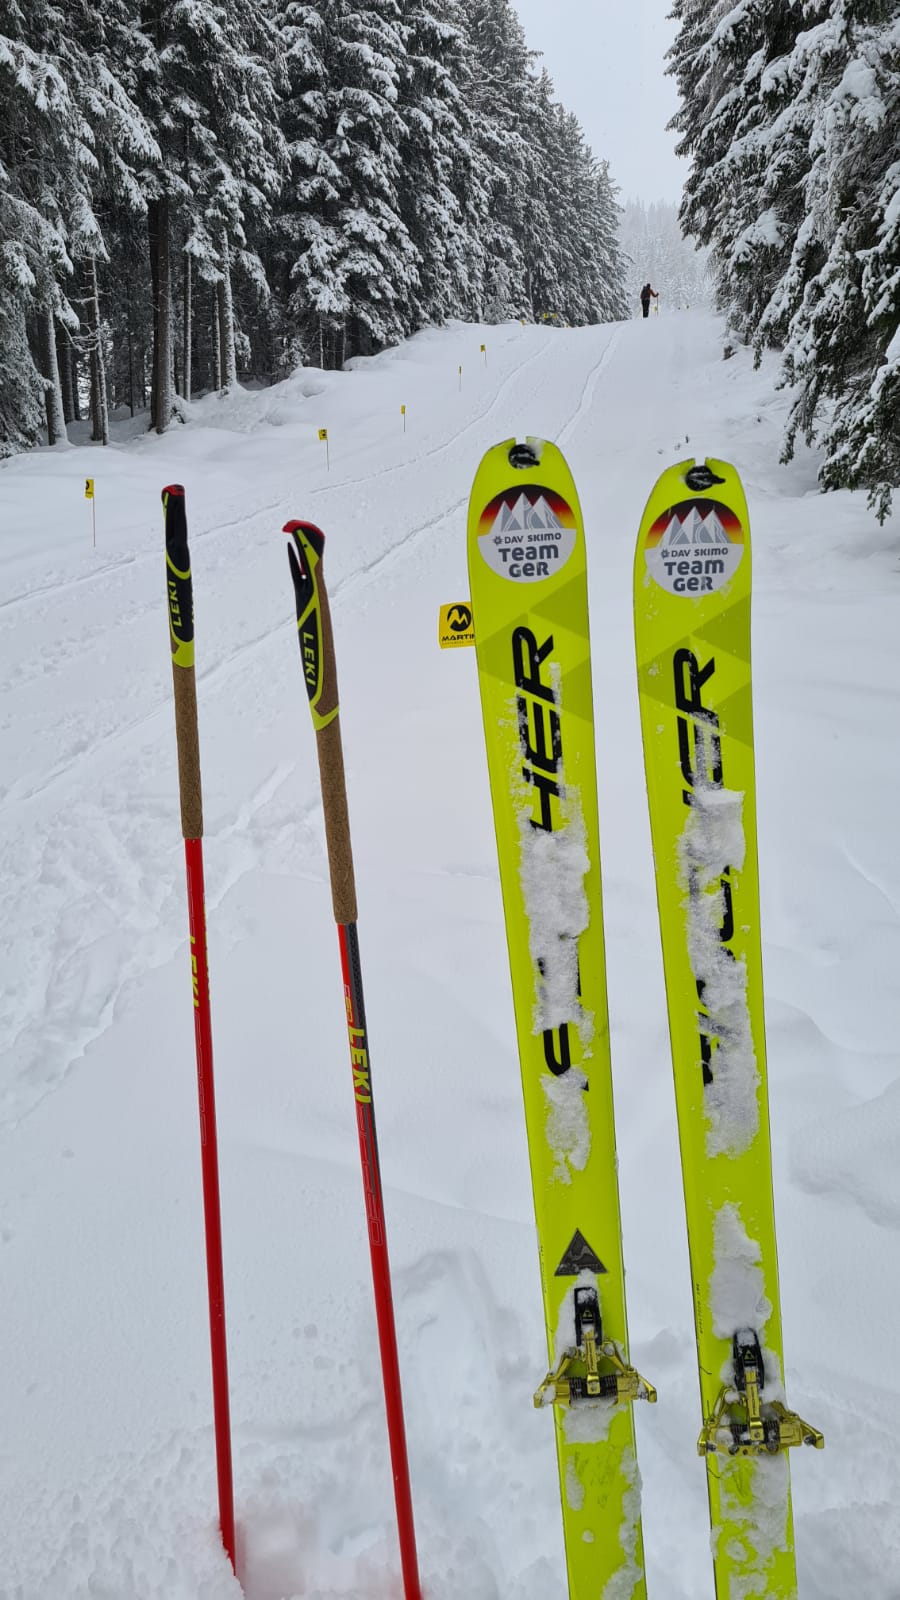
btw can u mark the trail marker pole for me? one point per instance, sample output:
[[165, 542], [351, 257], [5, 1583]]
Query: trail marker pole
[[89, 495]]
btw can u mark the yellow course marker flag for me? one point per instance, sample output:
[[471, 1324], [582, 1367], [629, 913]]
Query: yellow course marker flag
[[323, 433], [456, 625], [88, 488]]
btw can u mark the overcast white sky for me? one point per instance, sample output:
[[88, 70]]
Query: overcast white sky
[[606, 59]]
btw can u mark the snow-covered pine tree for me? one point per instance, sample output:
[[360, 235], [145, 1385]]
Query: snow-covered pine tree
[[789, 112], [843, 287], [98, 52], [438, 196], [550, 232], [433, 174], [43, 161], [352, 262], [208, 88], [584, 218], [607, 258], [548, 208], [500, 88], [741, 196]]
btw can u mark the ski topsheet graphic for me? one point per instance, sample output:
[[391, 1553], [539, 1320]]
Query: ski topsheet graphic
[[528, 579], [692, 625]]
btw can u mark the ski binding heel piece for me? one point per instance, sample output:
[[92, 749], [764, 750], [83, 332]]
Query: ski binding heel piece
[[766, 1427], [579, 1374]]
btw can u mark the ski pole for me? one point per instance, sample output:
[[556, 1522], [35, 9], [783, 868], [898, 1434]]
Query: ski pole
[[319, 670], [181, 629]]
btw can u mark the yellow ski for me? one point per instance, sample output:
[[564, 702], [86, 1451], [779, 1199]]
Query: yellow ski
[[692, 625], [528, 579]]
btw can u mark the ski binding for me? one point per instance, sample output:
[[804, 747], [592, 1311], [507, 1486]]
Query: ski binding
[[593, 1369], [765, 1427]]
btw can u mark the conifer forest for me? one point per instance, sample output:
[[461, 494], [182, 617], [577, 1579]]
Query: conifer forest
[[195, 193]]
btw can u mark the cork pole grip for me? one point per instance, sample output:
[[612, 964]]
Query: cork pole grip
[[331, 769], [188, 742]]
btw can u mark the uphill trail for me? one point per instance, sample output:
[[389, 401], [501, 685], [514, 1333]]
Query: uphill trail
[[106, 1462]]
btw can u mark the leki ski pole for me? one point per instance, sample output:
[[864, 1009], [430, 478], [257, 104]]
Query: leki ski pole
[[181, 629], [317, 657]]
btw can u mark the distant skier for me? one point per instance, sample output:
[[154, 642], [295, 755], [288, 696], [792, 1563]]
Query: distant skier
[[646, 294]]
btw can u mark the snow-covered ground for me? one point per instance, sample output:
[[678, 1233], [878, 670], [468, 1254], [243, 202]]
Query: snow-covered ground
[[107, 1482]]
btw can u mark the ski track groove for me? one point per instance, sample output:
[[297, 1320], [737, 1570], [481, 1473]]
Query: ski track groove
[[246, 521], [439, 449], [873, 882], [586, 402], [237, 828], [222, 671], [66, 583], [137, 733]]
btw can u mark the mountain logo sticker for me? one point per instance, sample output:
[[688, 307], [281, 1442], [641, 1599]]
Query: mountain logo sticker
[[527, 534], [694, 548]]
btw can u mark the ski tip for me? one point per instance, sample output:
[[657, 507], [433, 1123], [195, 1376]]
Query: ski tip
[[173, 489]]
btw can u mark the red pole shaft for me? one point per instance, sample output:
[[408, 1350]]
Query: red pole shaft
[[209, 1156], [378, 1250]]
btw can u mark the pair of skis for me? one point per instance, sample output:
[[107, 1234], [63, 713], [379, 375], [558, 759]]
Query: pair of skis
[[528, 575]]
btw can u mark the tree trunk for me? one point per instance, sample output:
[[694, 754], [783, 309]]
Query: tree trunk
[[161, 398], [98, 366], [56, 417], [187, 320], [216, 352], [72, 355], [95, 394], [130, 348], [227, 352], [64, 362], [153, 242]]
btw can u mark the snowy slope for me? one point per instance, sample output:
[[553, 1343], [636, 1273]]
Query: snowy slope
[[107, 1485]]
